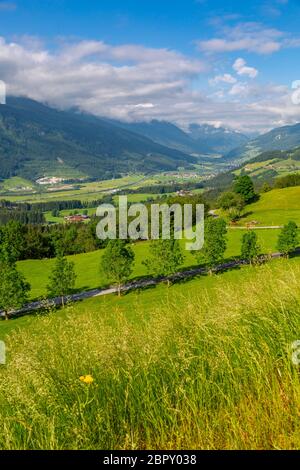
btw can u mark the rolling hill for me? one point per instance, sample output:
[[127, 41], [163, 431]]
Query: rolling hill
[[282, 138], [269, 165], [263, 168], [36, 140], [274, 208]]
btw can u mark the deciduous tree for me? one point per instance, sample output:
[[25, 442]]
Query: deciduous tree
[[215, 243], [62, 278], [165, 259], [117, 262], [288, 239], [250, 247]]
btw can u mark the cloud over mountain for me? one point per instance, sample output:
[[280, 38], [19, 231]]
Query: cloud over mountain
[[133, 82]]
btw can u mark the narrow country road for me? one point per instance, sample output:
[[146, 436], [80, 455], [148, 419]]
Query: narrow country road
[[56, 302], [254, 227]]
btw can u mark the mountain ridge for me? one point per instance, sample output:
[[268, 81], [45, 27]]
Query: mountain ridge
[[36, 139], [280, 138], [200, 139]]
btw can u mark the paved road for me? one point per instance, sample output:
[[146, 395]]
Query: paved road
[[43, 304], [254, 227]]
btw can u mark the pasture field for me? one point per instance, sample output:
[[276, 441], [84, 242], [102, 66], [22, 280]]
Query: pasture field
[[132, 198], [203, 364], [275, 207], [15, 184], [87, 264], [90, 191], [86, 191], [50, 218], [260, 169], [139, 197]]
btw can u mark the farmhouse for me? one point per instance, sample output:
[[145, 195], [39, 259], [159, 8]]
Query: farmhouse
[[76, 218]]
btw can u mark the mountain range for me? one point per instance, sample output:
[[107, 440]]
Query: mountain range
[[37, 140], [281, 138], [197, 139]]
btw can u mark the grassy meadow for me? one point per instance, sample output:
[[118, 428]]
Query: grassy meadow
[[276, 207], [85, 192], [87, 264], [204, 364]]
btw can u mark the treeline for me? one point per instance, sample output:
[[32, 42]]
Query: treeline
[[22, 216], [27, 213], [163, 188], [241, 193], [52, 205], [287, 181], [166, 257], [40, 241]]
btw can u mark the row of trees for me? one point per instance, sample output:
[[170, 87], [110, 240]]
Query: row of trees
[[287, 181], [166, 256], [165, 259]]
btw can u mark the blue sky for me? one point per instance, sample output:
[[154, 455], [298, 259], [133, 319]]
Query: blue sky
[[227, 62]]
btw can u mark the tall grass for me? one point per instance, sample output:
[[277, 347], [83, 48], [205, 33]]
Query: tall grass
[[211, 372]]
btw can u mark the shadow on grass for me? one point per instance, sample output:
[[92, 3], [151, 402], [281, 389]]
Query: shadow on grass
[[246, 214]]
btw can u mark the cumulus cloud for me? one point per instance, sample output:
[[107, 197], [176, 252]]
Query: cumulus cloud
[[97, 77], [132, 82], [242, 69]]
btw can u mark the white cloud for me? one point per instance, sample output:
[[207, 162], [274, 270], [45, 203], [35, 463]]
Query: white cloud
[[239, 89], [144, 105], [116, 81], [132, 82], [242, 69], [250, 36], [226, 78]]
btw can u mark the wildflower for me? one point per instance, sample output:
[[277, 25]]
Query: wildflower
[[86, 379]]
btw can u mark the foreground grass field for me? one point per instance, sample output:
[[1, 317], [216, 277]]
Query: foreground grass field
[[204, 364], [87, 264]]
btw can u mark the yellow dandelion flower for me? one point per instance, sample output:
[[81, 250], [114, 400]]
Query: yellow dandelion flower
[[87, 379]]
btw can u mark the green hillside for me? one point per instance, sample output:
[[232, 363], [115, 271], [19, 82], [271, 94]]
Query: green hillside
[[87, 264], [275, 207], [36, 141], [281, 138], [270, 165], [261, 167]]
